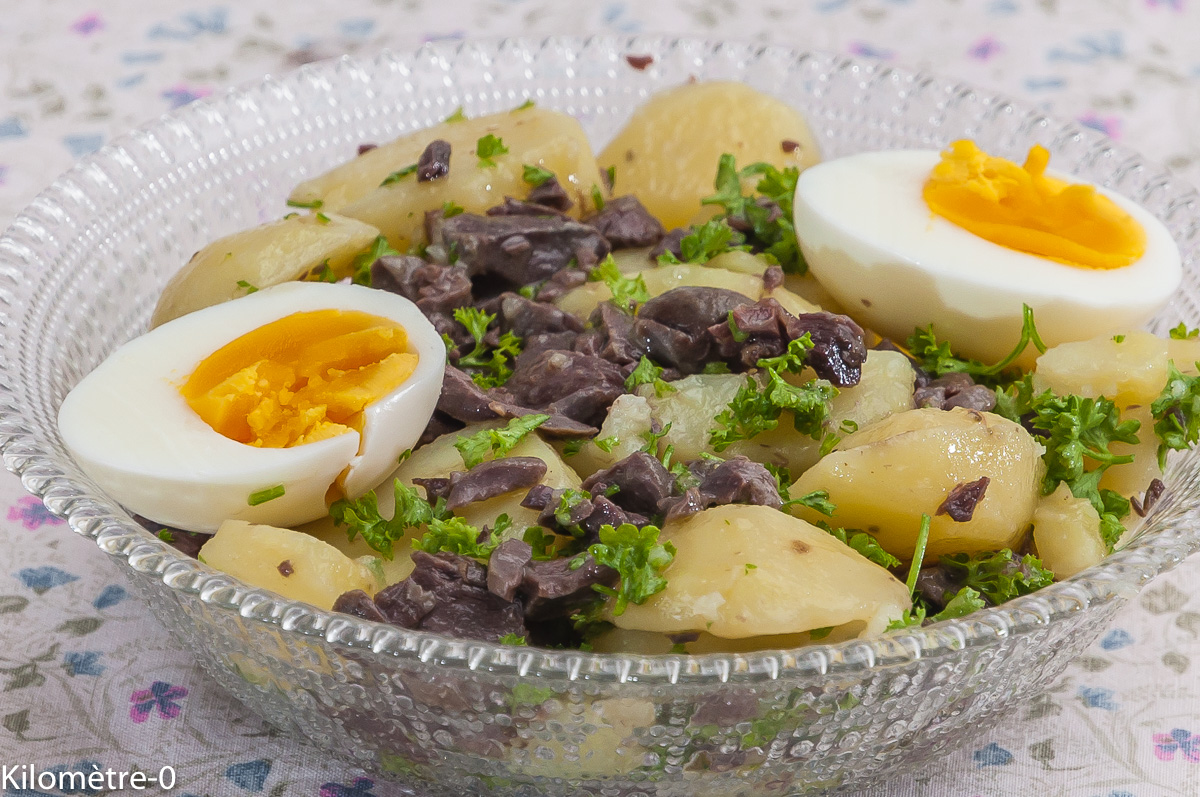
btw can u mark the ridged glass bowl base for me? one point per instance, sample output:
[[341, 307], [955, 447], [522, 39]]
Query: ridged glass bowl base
[[80, 271]]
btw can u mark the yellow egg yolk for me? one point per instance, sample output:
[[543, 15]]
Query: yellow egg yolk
[[301, 378], [1020, 208]]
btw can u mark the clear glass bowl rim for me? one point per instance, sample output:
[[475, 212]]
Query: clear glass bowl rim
[[89, 513]]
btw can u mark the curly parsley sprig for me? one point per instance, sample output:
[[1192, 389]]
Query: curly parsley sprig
[[754, 411], [937, 358], [640, 559], [488, 368]]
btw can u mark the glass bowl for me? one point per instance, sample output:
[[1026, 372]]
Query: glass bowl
[[80, 270]]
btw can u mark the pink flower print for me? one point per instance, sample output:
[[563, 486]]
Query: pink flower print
[[1166, 745], [180, 95], [1108, 125], [87, 24], [32, 513], [985, 48], [162, 696]]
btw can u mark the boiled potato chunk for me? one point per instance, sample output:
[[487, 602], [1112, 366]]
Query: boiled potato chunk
[[279, 251], [398, 568], [628, 419], [581, 301], [885, 476], [293, 564], [1066, 531], [752, 571], [1132, 478], [1131, 372], [533, 136], [667, 154]]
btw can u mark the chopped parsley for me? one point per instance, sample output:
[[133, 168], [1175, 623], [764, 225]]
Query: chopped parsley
[[638, 557], [455, 535], [1182, 332], [999, 576], [864, 544], [750, 568], [705, 242], [1076, 432], [262, 496], [627, 292], [606, 444], [753, 410], [361, 517], [498, 442], [487, 148], [457, 116], [247, 287], [938, 359], [487, 368], [768, 215], [597, 198], [165, 535], [541, 541], [1176, 413], [315, 204], [647, 373], [399, 175], [322, 218], [450, 209], [1118, 338], [817, 634], [325, 273], [791, 360], [817, 500], [512, 639], [529, 103], [535, 175], [567, 502], [360, 267]]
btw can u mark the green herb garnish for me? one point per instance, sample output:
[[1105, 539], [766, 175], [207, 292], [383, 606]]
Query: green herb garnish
[[647, 373], [262, 496], [487, 368], [360, 267], [247, 287], [938, 359], [314, 204], [457, 116], [535, 175], [399, 175], [498, 442], [627, 292], [487, 148], [999, 576], [638, 557]]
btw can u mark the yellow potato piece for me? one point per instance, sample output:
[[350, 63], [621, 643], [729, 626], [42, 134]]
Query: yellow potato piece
[[581, 301], [752, 571], [1066, 531], [885, 476], [293, 564], [1130, 372], [1132, 478], [278, 251], [534, 136], [667, 154]]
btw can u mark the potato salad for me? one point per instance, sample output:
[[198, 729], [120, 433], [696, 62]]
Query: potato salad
[[700, 392]]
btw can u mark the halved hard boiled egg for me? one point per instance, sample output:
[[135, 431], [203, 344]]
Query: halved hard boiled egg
[[261, 409], [903, 238]]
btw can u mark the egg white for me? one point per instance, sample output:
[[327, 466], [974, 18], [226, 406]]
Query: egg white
[[870, 238], [132, 432]]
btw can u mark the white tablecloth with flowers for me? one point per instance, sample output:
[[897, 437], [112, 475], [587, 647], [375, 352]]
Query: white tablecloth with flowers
[[89, 680]]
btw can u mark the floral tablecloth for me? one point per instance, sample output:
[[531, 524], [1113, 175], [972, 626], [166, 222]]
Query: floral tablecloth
[[89, 680]]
